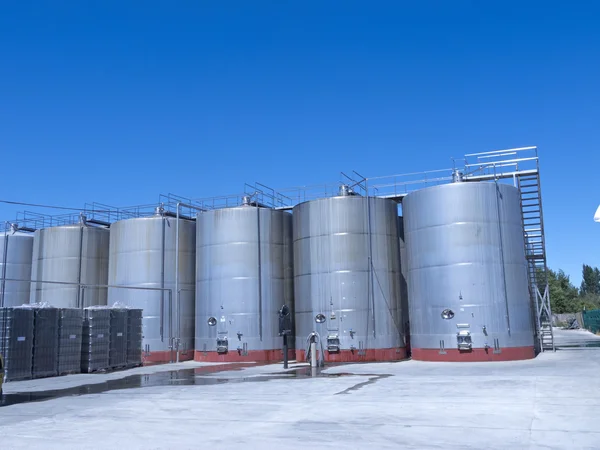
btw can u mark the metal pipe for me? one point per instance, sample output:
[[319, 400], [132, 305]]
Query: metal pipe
[[505, 150], [177, 273], [162, 278], [82, 297], [79, 302], [107, 286], [4, 260], [500, 234], [260, 311], [98, 222], [370, 261], [69, 283], [500, 176], [171, 323], [177, 319], [313, 354], [173, 215], [285, 351]]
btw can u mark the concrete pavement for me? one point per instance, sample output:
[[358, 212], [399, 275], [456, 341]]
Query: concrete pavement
[[551, 402]]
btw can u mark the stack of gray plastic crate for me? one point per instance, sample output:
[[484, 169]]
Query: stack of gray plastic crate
[[134, 337], [45, 342], [118, 338], [70, 327], [16, 342], [95, 342]]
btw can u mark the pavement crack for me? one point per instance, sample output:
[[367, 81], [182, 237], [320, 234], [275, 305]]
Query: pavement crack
[[373, 378]]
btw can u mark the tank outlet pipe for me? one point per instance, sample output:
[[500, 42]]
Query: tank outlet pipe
[[82, 225], [311, 350], [260, 297], [503, 269], [177, 317], [371, 279], [313, 354]]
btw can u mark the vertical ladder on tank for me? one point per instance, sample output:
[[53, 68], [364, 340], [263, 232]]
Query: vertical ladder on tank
[[535, 250]]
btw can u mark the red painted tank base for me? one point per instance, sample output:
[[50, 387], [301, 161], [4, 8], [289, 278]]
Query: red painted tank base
[[165, 357], [475, 355], [374, 354], [252, 355]]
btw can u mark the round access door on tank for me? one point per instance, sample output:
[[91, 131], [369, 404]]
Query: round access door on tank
[[72, 254], [243, 277], [468, 286], [16, 251], [143, 255], [347, 278]]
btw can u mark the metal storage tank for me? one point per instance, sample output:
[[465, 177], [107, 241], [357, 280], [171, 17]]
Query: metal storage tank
[[355, 311], [143, 255], [16, 251], [244, 275], [76, 253], [468, 287]]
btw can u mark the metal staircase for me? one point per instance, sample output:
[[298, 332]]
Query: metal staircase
[[517, 166], [522, 166], [535, 248]]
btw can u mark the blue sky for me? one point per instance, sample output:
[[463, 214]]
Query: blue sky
[[117, 102]]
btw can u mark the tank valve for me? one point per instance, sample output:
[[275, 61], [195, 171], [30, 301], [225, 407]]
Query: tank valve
[[463, 340], [222, 345], [333, 343], [484, 329], [352, 333], [239, 335], [352, 348]]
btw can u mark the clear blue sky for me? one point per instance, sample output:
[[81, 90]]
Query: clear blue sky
[[116, 101]]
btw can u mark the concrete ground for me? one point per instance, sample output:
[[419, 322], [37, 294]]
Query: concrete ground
[[552, 402]]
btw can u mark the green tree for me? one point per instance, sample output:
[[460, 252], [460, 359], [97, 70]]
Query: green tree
[[589, 301], [564, 297], [590, 283]]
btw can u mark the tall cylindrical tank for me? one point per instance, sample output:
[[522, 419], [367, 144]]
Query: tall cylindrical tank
[[243, 278], [468, 287], [16, 251], [143, 255], [347, 278], [72, 254]]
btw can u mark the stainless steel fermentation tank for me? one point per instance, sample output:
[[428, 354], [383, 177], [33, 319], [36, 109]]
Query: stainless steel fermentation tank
[[74, 255], [244, 275], [467, 274], [347, 278], [16, 251], [143, 257]]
